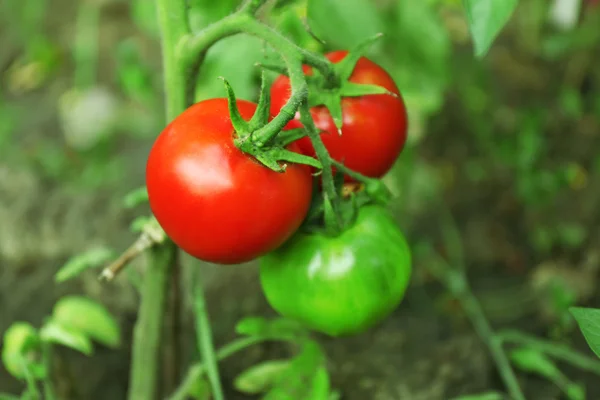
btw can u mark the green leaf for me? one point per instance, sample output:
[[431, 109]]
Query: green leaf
[[304, 368], [89, 318], [90, 259], [279, 328], [54, 332], [136, 197], [486, 19], [20, 343], [260, 377], [200, 390], [344, 23], [421, 72], [140, 223], [531, 360], [233, 58], [575, 391], [588, 320]]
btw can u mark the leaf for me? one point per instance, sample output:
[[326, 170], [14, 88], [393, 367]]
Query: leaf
[[136, 197], [6, 396], [260, 377], [421, 72], [575, 391], [279, 328], [89, 318], [140, 223], [76, 265], [304, 368], [233, 58], [486, 19], [200, 390], [588, 320], [344, 23], [54, 332], [20, 343], [530, 360]]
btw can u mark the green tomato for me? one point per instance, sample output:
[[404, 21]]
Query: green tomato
[[340, 285]]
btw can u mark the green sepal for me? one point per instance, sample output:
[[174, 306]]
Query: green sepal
[[378, 192], [332, 100], [261, 115], [290, 156], [350, 89], [288, 137], [345, 67], [240, 125], [269, 162]]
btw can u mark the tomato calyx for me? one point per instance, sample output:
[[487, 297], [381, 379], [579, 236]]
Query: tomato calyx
[[270, 152], [330, 94], [331, 221]]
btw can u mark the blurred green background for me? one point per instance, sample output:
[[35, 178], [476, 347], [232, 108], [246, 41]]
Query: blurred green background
[[500, 176]]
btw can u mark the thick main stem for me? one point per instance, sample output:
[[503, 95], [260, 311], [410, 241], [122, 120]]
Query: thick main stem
[[149, 327]]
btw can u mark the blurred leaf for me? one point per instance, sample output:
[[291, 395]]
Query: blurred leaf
[[89, 318], [571, 102], [289, 20], [294, 381], [482, 396], [343, 23], [54, 332], [572, 235], [145, 16], [139, 223], [486, 19], [200, 390], [280, 328], [90, 259], [260, 377], [421, 72], [530, 360], [588, 320], [20, 342], [233, 58], [575, 391], [136, 197], [135, 78]]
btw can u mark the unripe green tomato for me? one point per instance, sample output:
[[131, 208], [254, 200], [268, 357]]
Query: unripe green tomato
[[340, 285]]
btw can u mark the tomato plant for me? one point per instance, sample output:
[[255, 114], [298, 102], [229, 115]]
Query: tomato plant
[[374, 126], [214, 201], [343, 284]]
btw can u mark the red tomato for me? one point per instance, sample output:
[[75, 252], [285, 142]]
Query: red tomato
[[214, 201], [374, 126]]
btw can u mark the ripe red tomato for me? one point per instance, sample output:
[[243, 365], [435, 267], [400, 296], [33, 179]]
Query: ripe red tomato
[[214, 201], [374, 126]]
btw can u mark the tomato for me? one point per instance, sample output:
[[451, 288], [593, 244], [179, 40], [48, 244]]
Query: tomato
[[374, 126], [214, 201], [340, 285]]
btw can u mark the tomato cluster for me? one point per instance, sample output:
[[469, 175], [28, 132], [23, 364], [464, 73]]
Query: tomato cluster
[[222, 205]]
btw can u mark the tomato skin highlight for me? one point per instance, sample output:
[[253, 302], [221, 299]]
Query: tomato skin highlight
[[374, 126], [340, 285], [215, 202]]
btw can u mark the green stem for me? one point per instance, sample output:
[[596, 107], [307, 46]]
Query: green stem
[[321, 152], [85, 50], [556, 350], [174, 27], [195, 46], [32, 389], [148, 328], [199, 369], [205, 343], [49, 393], [252, 6], [457, 284]]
